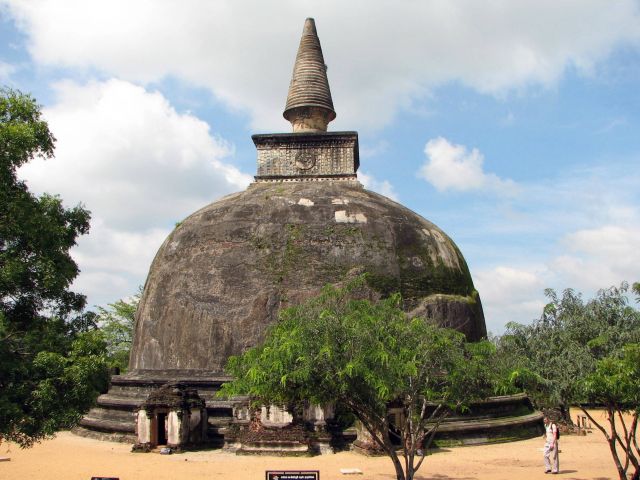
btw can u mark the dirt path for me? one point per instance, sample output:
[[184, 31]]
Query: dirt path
[[68, 457]]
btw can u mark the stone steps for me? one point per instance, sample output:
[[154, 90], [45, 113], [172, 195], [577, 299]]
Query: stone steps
[[107, 424], [275, 448], [111, 414], [485, 423], [122, 437], [219, 421], [109, 400]]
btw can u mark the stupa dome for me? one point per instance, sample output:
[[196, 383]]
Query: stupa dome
[[222, 275], [220, 278]]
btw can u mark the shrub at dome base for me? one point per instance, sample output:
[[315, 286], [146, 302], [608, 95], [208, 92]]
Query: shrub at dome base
[[364, 355]]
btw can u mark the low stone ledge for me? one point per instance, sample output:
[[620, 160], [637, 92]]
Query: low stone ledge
[[104, 425], [466, 425], [105, 436]]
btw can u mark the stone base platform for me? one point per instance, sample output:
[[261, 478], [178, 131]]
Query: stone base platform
[[494, 420], [497, 419], [113, 418], [276, 449]]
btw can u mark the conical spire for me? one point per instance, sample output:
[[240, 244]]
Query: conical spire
[[309, 106]]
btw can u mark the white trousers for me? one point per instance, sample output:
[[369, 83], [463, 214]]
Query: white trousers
[[551, 461]]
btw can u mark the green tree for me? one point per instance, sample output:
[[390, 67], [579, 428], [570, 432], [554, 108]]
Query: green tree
[[41, 319], [549, 356], [583, 352], [615, 384], [117, 322], [364, 355], [63, 386]]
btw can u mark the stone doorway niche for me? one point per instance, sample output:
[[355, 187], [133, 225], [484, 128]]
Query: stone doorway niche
[[395, 417], [159, 428], [174, 416]]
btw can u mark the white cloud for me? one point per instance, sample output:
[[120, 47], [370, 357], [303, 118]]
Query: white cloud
[[577, 230], [373, 150], [511, 294], [119, 251], [382, 187], [6, 70], [130, 157], [586, 260], [114, 262], [600, 257], [243, 51], [452, 167], [138, 165], [589, 260]]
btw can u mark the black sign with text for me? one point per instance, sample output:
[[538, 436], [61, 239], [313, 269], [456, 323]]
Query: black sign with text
[[293, 475]]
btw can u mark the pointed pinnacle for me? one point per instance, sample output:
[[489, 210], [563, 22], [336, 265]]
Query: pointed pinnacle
[[309, 105], [309, 27]]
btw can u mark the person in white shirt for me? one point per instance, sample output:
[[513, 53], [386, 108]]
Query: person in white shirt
[[551, 461]]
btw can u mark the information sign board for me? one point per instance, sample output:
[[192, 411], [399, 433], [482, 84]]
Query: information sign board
[[293, 475]]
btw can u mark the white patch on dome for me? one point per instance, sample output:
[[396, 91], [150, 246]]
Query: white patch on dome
[[343, 217], [306, 202], [173, 245], [438, 236], [417, 262], [340, 201], [446, 253]]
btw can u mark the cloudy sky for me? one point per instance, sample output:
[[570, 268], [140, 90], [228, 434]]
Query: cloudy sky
[[511, 124]]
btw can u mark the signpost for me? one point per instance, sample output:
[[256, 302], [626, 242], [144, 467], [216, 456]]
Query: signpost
[[293, 474]]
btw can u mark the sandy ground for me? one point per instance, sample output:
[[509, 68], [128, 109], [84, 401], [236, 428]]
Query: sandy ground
[[71, 457]]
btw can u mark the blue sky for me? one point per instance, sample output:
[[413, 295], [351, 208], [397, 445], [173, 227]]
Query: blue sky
[[512, 125]]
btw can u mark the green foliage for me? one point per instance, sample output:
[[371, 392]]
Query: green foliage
[[615, 384], [117, 323], [35, 233], [578, 352], [44, 380], [23, 133], [341, 348], [616, 380], [63, 387], [548, 357]]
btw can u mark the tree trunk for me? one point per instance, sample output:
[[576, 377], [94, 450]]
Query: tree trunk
[[611, 438], [565, 413], [398, 466], [622, 471], [388, 446]]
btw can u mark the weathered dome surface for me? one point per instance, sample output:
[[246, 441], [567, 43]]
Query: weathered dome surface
[[222, 275]]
